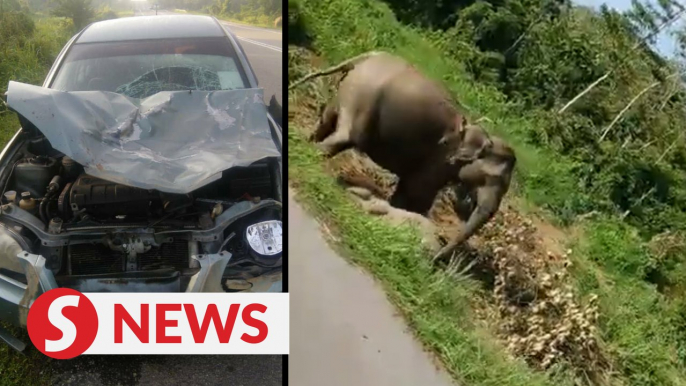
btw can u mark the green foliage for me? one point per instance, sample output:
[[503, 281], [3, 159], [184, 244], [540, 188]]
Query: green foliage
[[106, 13], [542, 62], [16, 26], [27, 50], [12, 6], [22, 368], [257, 12], [642, 327], [81, 12], [191, 5]]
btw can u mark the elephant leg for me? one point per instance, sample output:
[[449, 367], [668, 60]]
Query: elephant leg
[[399, 197], [328, 120], [340, 140], [413, 194], [465, 201]]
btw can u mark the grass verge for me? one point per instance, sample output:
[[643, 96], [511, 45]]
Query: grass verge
[[27, 59], [638, 325], [26, 56], [22, 369]]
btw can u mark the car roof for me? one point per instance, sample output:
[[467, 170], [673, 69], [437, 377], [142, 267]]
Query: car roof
[[151, 27]]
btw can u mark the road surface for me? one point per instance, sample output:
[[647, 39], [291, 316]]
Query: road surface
[[343, 329], [263, 48]]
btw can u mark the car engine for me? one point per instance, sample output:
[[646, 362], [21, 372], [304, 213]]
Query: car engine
[[85, 225]]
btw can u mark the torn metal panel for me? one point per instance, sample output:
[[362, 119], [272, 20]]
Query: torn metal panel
[[208, 279], [172, 141]]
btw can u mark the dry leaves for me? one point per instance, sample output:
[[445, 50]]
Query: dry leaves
[[538, 316]]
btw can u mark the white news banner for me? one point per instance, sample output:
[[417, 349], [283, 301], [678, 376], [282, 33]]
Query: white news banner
[[160, 323]]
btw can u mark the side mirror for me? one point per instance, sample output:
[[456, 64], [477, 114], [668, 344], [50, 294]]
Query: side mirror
[[275, 110]]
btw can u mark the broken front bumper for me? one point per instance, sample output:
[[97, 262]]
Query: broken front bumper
[[16, 298], [27, 276]]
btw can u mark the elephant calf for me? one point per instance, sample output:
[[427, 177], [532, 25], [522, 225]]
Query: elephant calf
[[408, 124]]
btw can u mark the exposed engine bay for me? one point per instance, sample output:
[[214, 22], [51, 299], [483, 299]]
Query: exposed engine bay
[[94, 233]]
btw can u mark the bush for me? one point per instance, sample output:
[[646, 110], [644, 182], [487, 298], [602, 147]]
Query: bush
[[106, 13], [79, 11], [26, 57], [15, 26]]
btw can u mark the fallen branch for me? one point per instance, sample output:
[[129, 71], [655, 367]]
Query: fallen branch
[[526, 32], [607, 74], [581, 94], [669, 148], [344, 66], [625, 109]]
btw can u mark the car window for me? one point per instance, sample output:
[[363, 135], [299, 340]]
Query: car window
[[143, 68]]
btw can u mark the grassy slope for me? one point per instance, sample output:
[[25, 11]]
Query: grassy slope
[[635, 318], [28, 63], [433, 304]]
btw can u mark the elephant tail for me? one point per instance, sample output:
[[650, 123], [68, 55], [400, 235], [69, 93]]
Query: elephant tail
[[344, 66]]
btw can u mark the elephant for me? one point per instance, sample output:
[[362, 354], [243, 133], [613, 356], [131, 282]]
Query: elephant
[[408, 124]]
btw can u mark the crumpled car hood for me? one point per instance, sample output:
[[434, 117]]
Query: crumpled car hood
[[173, 141]]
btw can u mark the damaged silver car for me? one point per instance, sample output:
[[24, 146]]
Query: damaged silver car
[[147, 162]]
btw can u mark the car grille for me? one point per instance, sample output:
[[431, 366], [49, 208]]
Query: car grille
[[93, 259]]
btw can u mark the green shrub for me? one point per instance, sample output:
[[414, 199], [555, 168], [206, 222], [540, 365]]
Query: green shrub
[[15, 26]]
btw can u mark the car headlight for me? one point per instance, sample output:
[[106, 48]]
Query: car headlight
[[265, 241]]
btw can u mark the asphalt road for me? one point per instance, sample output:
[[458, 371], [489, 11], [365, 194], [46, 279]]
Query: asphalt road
[[263, 48], [343, 329]]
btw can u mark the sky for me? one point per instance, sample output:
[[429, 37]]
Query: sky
[[665, 45]]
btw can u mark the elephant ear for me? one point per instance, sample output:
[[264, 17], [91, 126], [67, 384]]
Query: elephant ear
[[475, 144], [455, 136], [500, 160], [492, 167]]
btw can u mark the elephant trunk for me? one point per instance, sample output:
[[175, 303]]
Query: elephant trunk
[[486, 207], [487, 204]]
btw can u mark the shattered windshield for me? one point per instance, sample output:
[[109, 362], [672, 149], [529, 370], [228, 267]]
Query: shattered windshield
[[140, 69]]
